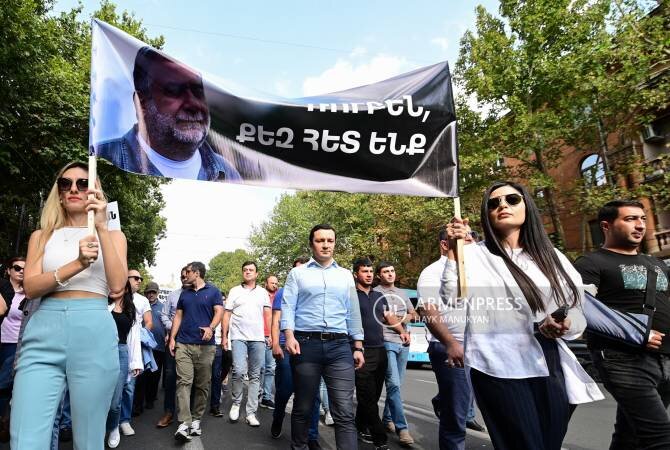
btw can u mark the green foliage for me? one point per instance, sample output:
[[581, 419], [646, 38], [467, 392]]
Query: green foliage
[[225, 269], [400, 229], [44, 86]]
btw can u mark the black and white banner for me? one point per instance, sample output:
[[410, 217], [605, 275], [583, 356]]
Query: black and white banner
[[153, 115]]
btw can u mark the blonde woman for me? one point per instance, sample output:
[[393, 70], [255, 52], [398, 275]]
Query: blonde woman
[[71, 340]]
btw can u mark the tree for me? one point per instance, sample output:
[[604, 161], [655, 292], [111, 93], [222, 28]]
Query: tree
[[225, 269], [44, 84], [522, 65]]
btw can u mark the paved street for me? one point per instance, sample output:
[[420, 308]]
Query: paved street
[[590, 427]]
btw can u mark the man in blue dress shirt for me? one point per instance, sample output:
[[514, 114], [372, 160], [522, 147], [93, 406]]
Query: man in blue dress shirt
[[320, 316]]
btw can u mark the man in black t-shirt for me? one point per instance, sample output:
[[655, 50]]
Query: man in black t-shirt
[[638, 379]]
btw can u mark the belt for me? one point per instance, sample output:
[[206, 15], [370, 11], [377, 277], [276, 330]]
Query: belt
[[320, 335]]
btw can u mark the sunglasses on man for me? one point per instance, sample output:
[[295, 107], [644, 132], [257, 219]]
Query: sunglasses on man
[[17, 268], [136, 278], [510, 199], [64, 184]]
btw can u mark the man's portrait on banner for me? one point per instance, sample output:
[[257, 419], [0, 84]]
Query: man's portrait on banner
[[169, 138]]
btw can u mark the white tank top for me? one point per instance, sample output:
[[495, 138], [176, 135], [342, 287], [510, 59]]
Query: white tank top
[[62, 248]]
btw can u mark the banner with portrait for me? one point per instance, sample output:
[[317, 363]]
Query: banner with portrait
[[153, 115]]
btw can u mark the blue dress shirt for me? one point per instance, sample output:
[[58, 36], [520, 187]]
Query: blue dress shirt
[[324, 299]]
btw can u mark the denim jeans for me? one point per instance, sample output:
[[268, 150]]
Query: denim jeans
[[127, 398], [455, 396], [7, 353], [215, 391], [268, 374], [170, 380], [397, 355], [284, 391], [324, 395], [255, 352], [640, 384], [334, 361], [114, 415]]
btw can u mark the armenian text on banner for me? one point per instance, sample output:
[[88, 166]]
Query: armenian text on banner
[[153, 115]]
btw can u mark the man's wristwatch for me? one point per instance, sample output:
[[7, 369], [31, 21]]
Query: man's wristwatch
[[359, 349]]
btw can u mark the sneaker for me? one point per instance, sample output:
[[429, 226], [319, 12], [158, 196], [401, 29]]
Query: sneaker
[[313, 445], [216, 412], [275, 429], [182, 434], [405, 438], [114, 438], [65, 434], [195, 428], [234, 413], [253, 421], [365, 437], [126, 429], [382, 447], [328, 419], [269, 404], [390, 427], [474, 425]]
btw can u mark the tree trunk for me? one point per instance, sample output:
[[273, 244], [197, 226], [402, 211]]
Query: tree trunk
[[549, 198]]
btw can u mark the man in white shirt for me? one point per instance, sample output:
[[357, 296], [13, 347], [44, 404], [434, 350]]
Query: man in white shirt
[[454, 403], [247, 316], [142, 315]]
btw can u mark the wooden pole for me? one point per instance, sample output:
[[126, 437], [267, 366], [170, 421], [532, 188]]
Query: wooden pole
[[92, 175], [462, 285]]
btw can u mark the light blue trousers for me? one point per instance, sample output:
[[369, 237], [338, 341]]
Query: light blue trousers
[[67, 343]]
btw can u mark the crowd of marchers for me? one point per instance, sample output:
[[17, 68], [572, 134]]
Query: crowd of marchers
[[83, 352]]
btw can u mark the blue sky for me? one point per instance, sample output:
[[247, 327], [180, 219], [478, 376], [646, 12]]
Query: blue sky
[[287, 48]]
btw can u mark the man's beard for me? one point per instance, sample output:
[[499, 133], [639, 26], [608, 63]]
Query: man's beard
[[163, 131]]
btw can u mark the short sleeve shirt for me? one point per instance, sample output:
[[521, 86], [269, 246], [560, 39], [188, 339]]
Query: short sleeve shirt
[[398, 303], [197, 311], [142, 305], [373, 306], [247, 308]]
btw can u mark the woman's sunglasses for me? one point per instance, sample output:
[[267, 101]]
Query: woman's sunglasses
[[17, 268], [510, 199], [136, 278], [64, 184]]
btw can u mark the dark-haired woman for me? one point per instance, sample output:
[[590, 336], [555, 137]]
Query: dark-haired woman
[[524, 377], [70, 341], [130, 356], [9, 334]]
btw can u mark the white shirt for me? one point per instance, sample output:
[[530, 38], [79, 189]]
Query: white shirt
[[499, 334], [247, 307], [428, 291], [188, 169], [142, 305]]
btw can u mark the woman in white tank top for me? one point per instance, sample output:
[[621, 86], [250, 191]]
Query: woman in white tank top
[[71, 340]]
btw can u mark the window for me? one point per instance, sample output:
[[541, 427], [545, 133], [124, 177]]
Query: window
[[593, 170]]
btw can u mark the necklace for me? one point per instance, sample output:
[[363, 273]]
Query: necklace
[[68, 238]]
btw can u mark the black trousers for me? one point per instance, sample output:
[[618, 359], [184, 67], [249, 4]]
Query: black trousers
[[369, 384], [527, 413], [640, 384], [153, 378]]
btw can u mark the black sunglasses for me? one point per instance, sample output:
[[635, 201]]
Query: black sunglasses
[[17, 268], [510, 199], [136, 278], [64, 184]]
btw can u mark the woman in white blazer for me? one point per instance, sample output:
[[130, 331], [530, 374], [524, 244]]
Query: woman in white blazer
[[525, 379], [130, 356]]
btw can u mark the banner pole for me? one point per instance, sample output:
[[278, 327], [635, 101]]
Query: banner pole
[[462, 286], [92, 175]]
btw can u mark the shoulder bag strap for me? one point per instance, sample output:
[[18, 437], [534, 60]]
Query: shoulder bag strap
[[649, 307]]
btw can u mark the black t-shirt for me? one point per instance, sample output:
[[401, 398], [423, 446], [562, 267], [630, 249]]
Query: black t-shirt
[[123, 325], [372, 315], [621, 281]]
